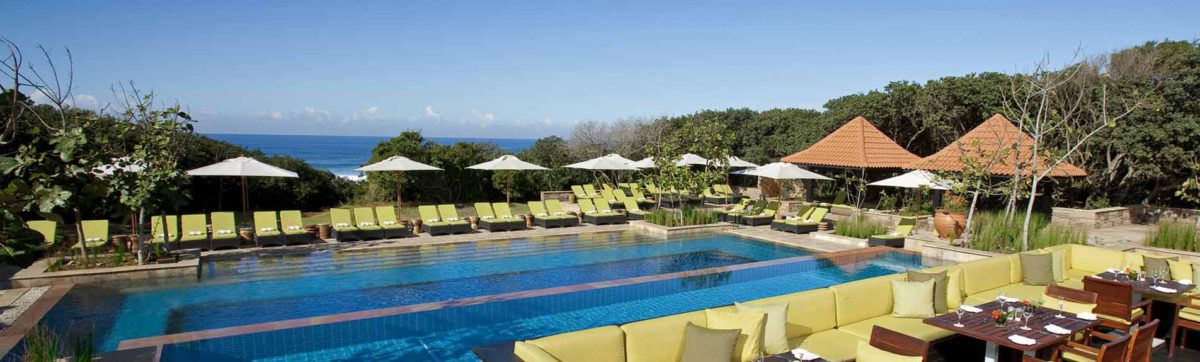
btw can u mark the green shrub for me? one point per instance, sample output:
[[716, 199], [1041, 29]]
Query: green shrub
[[859, 227], [1174, 235], [887, 202], [671, 218], [991, 231], [41, 345]]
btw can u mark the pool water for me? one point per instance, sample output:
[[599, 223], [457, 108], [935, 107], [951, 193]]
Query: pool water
[[449, 333], [276, 286]]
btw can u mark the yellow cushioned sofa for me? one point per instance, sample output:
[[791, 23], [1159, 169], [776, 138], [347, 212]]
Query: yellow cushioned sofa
[[829, 321]]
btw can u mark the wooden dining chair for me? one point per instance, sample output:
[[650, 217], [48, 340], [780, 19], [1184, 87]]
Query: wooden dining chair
[[898, 343], [1114, 351], [1141, 341], [1187, 318], [1114, 303]]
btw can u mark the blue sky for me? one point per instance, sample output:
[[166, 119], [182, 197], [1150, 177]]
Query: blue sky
[[532, 68]]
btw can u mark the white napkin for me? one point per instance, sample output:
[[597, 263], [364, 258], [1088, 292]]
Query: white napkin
[[1056, 329], [1165, 289], [1022, 340], [1008, 299], [1112, 270], [1086, 316], [1185, 281], [970, 308], [804, 355]]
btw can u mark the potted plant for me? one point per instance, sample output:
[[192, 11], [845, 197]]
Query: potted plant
[[950, 220], [1000, 317]]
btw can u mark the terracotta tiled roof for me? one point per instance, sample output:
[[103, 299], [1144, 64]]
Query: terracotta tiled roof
[[857, 144], [986, 143]]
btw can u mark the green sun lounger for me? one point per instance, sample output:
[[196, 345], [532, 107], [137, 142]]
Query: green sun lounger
[[48, 229], [450, 215], [731, 214], [224, 231], [504, 213], [343, 225], [172, 231], [543, 218], [712, 196], [266, 229], [809, 221], [442, 220], [591, 191], [580, 193], [593, 215], [641, 198], [291, 223], [607, 195], [555, 208], [392, 226], [604, 208], [488, 220], [895, 238], [762, 218], [368, 227], [633, 211], [193, 232], [95, 234]]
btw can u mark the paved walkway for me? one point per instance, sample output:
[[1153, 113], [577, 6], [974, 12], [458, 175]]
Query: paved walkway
[[1119, 236], [798, 240]]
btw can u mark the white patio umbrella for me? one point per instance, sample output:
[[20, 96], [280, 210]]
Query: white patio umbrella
[[242, 167], [609, 162], [782, 171], [689, 159], [398, 164], [734, 161], [507, 162], [915, 179], [647, 162]]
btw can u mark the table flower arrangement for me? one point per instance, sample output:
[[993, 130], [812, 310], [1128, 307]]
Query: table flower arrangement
[[999, 317]]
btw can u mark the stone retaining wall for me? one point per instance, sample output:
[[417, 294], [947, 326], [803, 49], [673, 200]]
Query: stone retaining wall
[[664, 231], [1091, 219], [36, 275], [563, 196], [1142, 214]]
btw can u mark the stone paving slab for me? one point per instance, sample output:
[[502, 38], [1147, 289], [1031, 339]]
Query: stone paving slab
[[798, 240]]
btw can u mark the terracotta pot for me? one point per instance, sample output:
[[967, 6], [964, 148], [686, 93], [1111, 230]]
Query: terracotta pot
[[323, 231], [946, 223]]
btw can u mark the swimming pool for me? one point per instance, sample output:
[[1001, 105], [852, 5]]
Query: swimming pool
[[447, 332], [275, 286]]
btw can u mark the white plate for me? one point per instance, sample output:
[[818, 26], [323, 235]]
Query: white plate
[[1086, 316]]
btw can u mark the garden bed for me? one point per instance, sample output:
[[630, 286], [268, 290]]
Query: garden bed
[[39, 273]]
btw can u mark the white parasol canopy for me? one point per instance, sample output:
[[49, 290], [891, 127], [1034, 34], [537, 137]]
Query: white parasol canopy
[[507, 162], [647, 162], [608, 162], [398, 164], [734, 161], [689, 159], [915, 179], [242, 167], [782, 171]]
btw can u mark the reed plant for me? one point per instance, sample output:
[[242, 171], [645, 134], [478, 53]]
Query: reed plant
[[993, 231], [671, 218], [1174, 235], [859, 227], [41, 345]]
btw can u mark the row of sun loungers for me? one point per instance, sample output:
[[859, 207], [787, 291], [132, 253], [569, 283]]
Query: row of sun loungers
[[191, 231], [366, 223]]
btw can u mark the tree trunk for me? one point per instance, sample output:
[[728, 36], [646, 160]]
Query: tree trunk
[[971, 210], [1028, 214], [79, 232]]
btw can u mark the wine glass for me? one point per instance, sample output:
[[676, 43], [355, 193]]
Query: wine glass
[[1003, 298], [960, 312], [1027, 313], [1060, 309]]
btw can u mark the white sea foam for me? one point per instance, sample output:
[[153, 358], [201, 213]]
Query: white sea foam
[[355, 178]]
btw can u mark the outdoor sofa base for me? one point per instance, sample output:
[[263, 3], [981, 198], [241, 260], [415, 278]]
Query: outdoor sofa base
[[795, 228], [298, 238], [226, 243], [500, 225], [635, 216], [202, 244], [897, 242], [757, 220], [346, 235], [268, 240], [448, 229], [596, 219]]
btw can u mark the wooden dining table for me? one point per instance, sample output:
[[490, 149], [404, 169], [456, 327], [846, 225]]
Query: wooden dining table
[[1145, 286], [980, 326]]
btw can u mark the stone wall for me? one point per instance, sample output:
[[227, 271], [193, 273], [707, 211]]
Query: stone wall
[[1092, 219], [1142, 214], [563, 196]]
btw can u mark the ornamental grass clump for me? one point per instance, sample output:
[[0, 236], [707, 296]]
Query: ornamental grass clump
[[992, 231], [691, 216], [1174, 235], [859, 227]]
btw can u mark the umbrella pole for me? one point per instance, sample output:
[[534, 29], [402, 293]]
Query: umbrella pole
[[399, 204], [245, 199], [508, 189]]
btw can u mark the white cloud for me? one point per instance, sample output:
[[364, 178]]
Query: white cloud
[[314, 114], [548, 121], [370, 114], [272, 115], [430, 113], [42, 96]]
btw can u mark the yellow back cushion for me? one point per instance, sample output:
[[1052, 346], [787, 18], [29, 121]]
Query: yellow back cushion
[[863, 299], [1016, 274], [1096, 260], [751, 323], [531, 353], [809, 311], [659, 339], [1180, 269], [600, 344], [985, 274]]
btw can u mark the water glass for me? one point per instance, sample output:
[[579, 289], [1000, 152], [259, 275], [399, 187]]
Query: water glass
[[1027, 313], [960, 312], [1060, 309]]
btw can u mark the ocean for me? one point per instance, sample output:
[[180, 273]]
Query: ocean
[[342, 154]]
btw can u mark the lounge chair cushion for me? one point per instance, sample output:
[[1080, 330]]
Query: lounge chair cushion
[[600, 344], [808, 312], [1191, 314], [659, 339], [1097, 260], [913, 299], [775, 330], [751, 325], [1180, 269], [986, 274], [914, 327], [833, 345], [940, 284], [1019, 291], [1069, 306]]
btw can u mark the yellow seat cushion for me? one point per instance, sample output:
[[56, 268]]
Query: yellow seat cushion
[[752, 325], [531, 353], [1076, 274], [1075, 357], [914, 327], [868, 353], [809, 311], [1180, 269], [864, 299], [659, 339], [1096, 260], [1069, 306], [1190, 314], [833, 345], [1019, 291], [1137, 313], [600, 344], [986, 274]]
